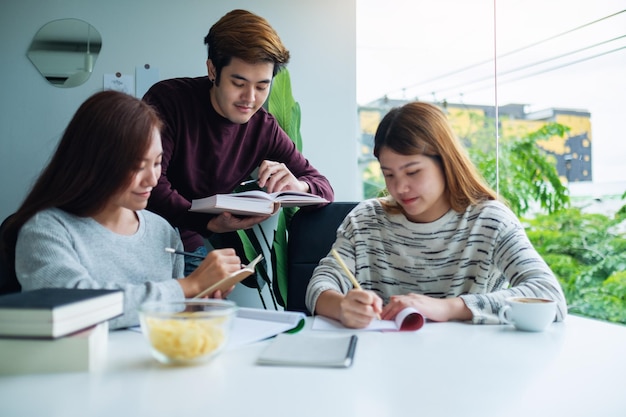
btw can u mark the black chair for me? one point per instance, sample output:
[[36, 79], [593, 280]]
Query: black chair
[[8, 279], [311, 235]]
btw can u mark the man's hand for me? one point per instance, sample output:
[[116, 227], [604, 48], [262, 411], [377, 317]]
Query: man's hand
[[275, 177], [226, 222]]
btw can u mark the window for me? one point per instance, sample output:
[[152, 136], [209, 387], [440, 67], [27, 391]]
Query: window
[[559, 62]]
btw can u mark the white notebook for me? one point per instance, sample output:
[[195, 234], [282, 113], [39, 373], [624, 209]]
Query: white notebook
[[309, 350]]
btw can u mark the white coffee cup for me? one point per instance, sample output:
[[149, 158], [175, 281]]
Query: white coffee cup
[[528, 313]]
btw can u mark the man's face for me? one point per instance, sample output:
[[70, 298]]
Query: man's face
[[242, 90]]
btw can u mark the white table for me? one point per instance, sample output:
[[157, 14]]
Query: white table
[[576, 368]]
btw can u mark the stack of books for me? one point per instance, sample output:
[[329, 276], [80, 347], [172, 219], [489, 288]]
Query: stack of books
[[56, 329]]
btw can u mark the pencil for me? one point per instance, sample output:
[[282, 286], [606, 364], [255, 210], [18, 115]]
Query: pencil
[[247, 182], [180, 252], [343, 266]]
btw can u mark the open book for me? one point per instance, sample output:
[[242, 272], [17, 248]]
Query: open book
[[255, 202], [409, 319], [256, 324], [232, 279]]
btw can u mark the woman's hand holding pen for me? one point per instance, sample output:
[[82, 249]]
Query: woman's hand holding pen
[[359, 307], [217, 265], [275, 176]]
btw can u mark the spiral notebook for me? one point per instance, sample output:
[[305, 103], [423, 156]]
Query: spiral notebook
[[310, 351]]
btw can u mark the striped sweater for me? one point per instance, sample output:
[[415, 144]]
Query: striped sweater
[[481, 255]]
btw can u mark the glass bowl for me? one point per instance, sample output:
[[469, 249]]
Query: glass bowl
[[187, 332]]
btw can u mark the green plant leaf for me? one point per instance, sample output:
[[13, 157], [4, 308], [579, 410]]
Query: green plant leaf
[[286, 110]]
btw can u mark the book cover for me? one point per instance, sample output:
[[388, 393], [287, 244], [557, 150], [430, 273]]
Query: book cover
[[310, 350], [232, 279], [79, 352], [56, 312], [255, 202]]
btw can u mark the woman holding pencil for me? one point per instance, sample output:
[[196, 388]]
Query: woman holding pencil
[[83, 224], [441, 242]]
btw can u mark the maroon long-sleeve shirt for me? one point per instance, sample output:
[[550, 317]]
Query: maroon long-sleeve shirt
[[205, 154]]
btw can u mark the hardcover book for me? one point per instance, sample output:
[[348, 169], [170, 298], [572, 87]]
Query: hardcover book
[[83, 351], [255, 202], [56, 312]]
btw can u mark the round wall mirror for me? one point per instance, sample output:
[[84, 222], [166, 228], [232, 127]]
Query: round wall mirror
[[65, 51]]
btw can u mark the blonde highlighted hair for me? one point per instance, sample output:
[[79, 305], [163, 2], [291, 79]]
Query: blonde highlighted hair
[[246, 36], [423, 128]]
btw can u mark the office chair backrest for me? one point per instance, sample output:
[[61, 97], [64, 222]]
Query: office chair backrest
[[8, 279], [311, 235]]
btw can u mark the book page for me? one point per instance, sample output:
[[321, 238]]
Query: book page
[[288, 317], [254, 194], [256, 324], [296, 198], [287, 198], [295, 195], [236, 204], [328, 324], [254, 202], [408, 319], [253, 325]]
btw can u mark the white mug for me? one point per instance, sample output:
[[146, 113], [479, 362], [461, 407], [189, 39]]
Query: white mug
[[528, 313]]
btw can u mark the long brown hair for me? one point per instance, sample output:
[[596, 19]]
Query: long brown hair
[[246, 36], [100, 150], [422, 128]]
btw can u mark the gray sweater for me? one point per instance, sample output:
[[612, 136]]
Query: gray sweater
[[57, 249], [482, 255]]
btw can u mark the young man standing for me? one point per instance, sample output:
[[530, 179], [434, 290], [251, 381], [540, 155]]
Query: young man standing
[[216, 132]]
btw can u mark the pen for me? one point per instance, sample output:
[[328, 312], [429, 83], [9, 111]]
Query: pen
[[343, 266], [180, 252], [250, 181]]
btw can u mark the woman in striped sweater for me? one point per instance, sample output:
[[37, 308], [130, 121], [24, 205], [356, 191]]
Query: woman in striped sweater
[[441, 242]]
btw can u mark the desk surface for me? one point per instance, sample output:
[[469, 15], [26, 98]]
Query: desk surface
[[576, 368]]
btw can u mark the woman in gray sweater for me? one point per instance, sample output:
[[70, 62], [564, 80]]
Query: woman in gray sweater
[[83, 225], [440, 243]]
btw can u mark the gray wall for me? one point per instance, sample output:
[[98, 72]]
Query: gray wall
[[321, 35]]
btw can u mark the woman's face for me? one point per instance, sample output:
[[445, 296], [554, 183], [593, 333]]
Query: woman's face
[[144, 178], [417, 183]]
